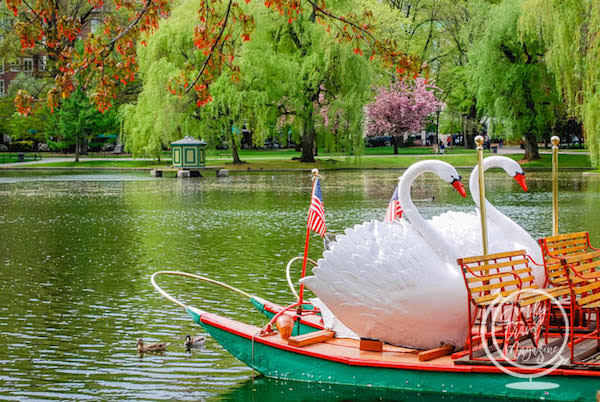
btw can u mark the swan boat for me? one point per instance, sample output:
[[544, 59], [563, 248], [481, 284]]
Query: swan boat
[[337, 360], [341, 361]]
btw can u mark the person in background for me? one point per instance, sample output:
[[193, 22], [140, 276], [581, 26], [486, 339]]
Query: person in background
[[442, 147]]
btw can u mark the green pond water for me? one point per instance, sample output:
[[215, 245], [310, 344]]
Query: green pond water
[[77, 251]]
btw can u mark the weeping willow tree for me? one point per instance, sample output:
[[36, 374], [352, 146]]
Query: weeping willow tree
[[159, 117], [569, 31], [310, 77], [289, 70], [511, 81]]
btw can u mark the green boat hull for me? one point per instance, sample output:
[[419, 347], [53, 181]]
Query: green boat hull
[[283, 364]]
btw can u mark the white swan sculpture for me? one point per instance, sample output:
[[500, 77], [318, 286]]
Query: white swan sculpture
[[503, 233], [397, 282]]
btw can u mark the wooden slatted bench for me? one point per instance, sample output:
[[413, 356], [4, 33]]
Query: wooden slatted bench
[[563, 245], [503, 275], [553, 249], [582, 272]]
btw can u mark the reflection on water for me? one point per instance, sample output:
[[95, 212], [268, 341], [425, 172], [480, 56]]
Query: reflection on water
[[77, 250]]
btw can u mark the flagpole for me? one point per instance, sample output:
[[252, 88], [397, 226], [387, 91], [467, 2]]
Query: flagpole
[[315, 176]]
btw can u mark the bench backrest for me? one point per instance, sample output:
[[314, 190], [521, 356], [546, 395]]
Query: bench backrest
[[584, 277], [493, 274], [556, 247]]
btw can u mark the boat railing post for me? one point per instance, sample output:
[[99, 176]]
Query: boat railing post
[[482, 213], [555, 143]]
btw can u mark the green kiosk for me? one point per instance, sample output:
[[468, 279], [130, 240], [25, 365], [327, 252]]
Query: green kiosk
[[189, 153]]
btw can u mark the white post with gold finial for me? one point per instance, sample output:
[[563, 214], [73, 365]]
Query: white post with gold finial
[[482, 214], [555, 142]]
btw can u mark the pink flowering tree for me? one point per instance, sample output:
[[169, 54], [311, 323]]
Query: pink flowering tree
[[401, 108]]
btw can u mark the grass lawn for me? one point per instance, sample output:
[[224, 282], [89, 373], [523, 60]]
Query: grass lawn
[[335, 162], [281, 159]]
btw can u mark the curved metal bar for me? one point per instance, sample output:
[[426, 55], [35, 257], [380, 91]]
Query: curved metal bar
[[202, 278], [289, 277]]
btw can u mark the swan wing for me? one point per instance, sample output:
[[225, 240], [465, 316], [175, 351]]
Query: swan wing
[[384, 282], [464, 231]]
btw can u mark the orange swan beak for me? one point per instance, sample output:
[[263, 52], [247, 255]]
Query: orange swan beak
[[520, 178], [457, 184]]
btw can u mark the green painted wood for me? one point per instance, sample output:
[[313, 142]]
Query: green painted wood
[[188, 153], [283, 364]]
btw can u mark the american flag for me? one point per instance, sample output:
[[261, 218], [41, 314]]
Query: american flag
[[394, 209], [316, 213]]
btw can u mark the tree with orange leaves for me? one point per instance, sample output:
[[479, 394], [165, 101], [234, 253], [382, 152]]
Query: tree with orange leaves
[[109, 58]]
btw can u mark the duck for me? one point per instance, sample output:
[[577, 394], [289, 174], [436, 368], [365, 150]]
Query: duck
[[151, 347], [194, 342]]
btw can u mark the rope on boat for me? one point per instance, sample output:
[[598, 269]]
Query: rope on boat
[[201, 278], [289, 277]]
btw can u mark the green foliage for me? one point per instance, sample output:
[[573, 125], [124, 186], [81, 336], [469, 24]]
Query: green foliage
[[284, 69], [569, 31], [30, 128], [158, 118], [77, 120], [509, 77]]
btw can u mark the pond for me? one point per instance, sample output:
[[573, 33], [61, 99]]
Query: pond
[[77, 251]]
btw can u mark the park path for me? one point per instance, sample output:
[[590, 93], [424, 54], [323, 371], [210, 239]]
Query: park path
[[507, 150]]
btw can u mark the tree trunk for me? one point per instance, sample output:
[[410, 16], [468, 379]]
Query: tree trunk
[[234, 149], [77, 148], [308, 136], [531, 147], [397, 141], [469, 136]]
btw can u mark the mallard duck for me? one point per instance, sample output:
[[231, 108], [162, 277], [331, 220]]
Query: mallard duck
[[151, 347], [195, 342]]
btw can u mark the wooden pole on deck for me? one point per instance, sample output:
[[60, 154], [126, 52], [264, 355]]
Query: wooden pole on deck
[[555, 142], [482, 214]]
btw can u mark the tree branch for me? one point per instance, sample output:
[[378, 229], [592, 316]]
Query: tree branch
[[213, 47]]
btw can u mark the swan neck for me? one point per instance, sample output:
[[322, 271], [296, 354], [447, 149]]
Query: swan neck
[[424, 227]]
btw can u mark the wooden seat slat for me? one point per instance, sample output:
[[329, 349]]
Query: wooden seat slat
[[568, 250], [570, 242], [581, 289], [497, 265], [581, 257], [495, 285], [495, 276], [565, 236], [586, 267], [594, 297], [490, 257]]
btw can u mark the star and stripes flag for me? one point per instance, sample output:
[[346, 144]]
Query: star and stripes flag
[[316, 213], [394, 210]]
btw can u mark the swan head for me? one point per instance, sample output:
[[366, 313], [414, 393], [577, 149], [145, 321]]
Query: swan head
[[448, 173], [510, 166]]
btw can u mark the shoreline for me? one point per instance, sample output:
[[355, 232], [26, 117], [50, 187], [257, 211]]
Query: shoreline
[[586, 170]]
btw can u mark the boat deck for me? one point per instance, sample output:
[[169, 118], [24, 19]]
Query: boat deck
[[347, 351], [586, 352]]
